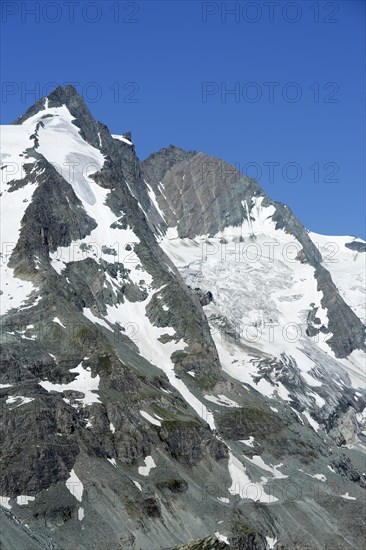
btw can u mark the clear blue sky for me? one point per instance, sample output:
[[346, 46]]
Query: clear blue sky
[[161, 70]]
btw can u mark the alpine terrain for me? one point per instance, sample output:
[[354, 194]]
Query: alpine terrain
[[182, 361]]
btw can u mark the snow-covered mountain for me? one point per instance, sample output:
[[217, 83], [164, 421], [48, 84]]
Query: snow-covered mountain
[[182, 362]]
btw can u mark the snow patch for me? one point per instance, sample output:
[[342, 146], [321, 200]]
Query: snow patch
[[153, 199], [23, 500], [84, 383], [15, 398], [221, 400], [4, 502], [271, 542], [221, 538], [149, 464], [89, 315], [313, 423], [249, 442], [150, 418], [243, 486], [137, 485], [121, 138], [347, 496], [75, 486], [258, 461], [14, 291], [57, 320], [321, 477]]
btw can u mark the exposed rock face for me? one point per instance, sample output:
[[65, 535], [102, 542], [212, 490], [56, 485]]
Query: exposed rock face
[[189, 443], [197, 193], [356, 245], [204, 297], [137, 408], [208, 543]]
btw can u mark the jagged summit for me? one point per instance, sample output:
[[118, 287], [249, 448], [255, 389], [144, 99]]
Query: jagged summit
[[60, 96], [181, 360], [69, 98]]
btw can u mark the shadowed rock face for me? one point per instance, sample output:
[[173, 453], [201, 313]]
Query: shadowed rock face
[[117, 416], [198, 194], [357, 245]]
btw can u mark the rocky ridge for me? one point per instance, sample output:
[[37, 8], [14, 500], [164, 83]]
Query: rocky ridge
[[134, 412]]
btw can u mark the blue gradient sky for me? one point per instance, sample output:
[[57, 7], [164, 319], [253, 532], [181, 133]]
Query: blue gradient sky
[[144, 69]]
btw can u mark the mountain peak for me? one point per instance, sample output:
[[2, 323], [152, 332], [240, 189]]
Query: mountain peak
[[69, 97]]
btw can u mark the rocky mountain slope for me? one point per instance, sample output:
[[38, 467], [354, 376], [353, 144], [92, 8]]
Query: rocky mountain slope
[[182, 362]]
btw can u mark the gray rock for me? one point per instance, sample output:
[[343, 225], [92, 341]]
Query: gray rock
[[47, 431]]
